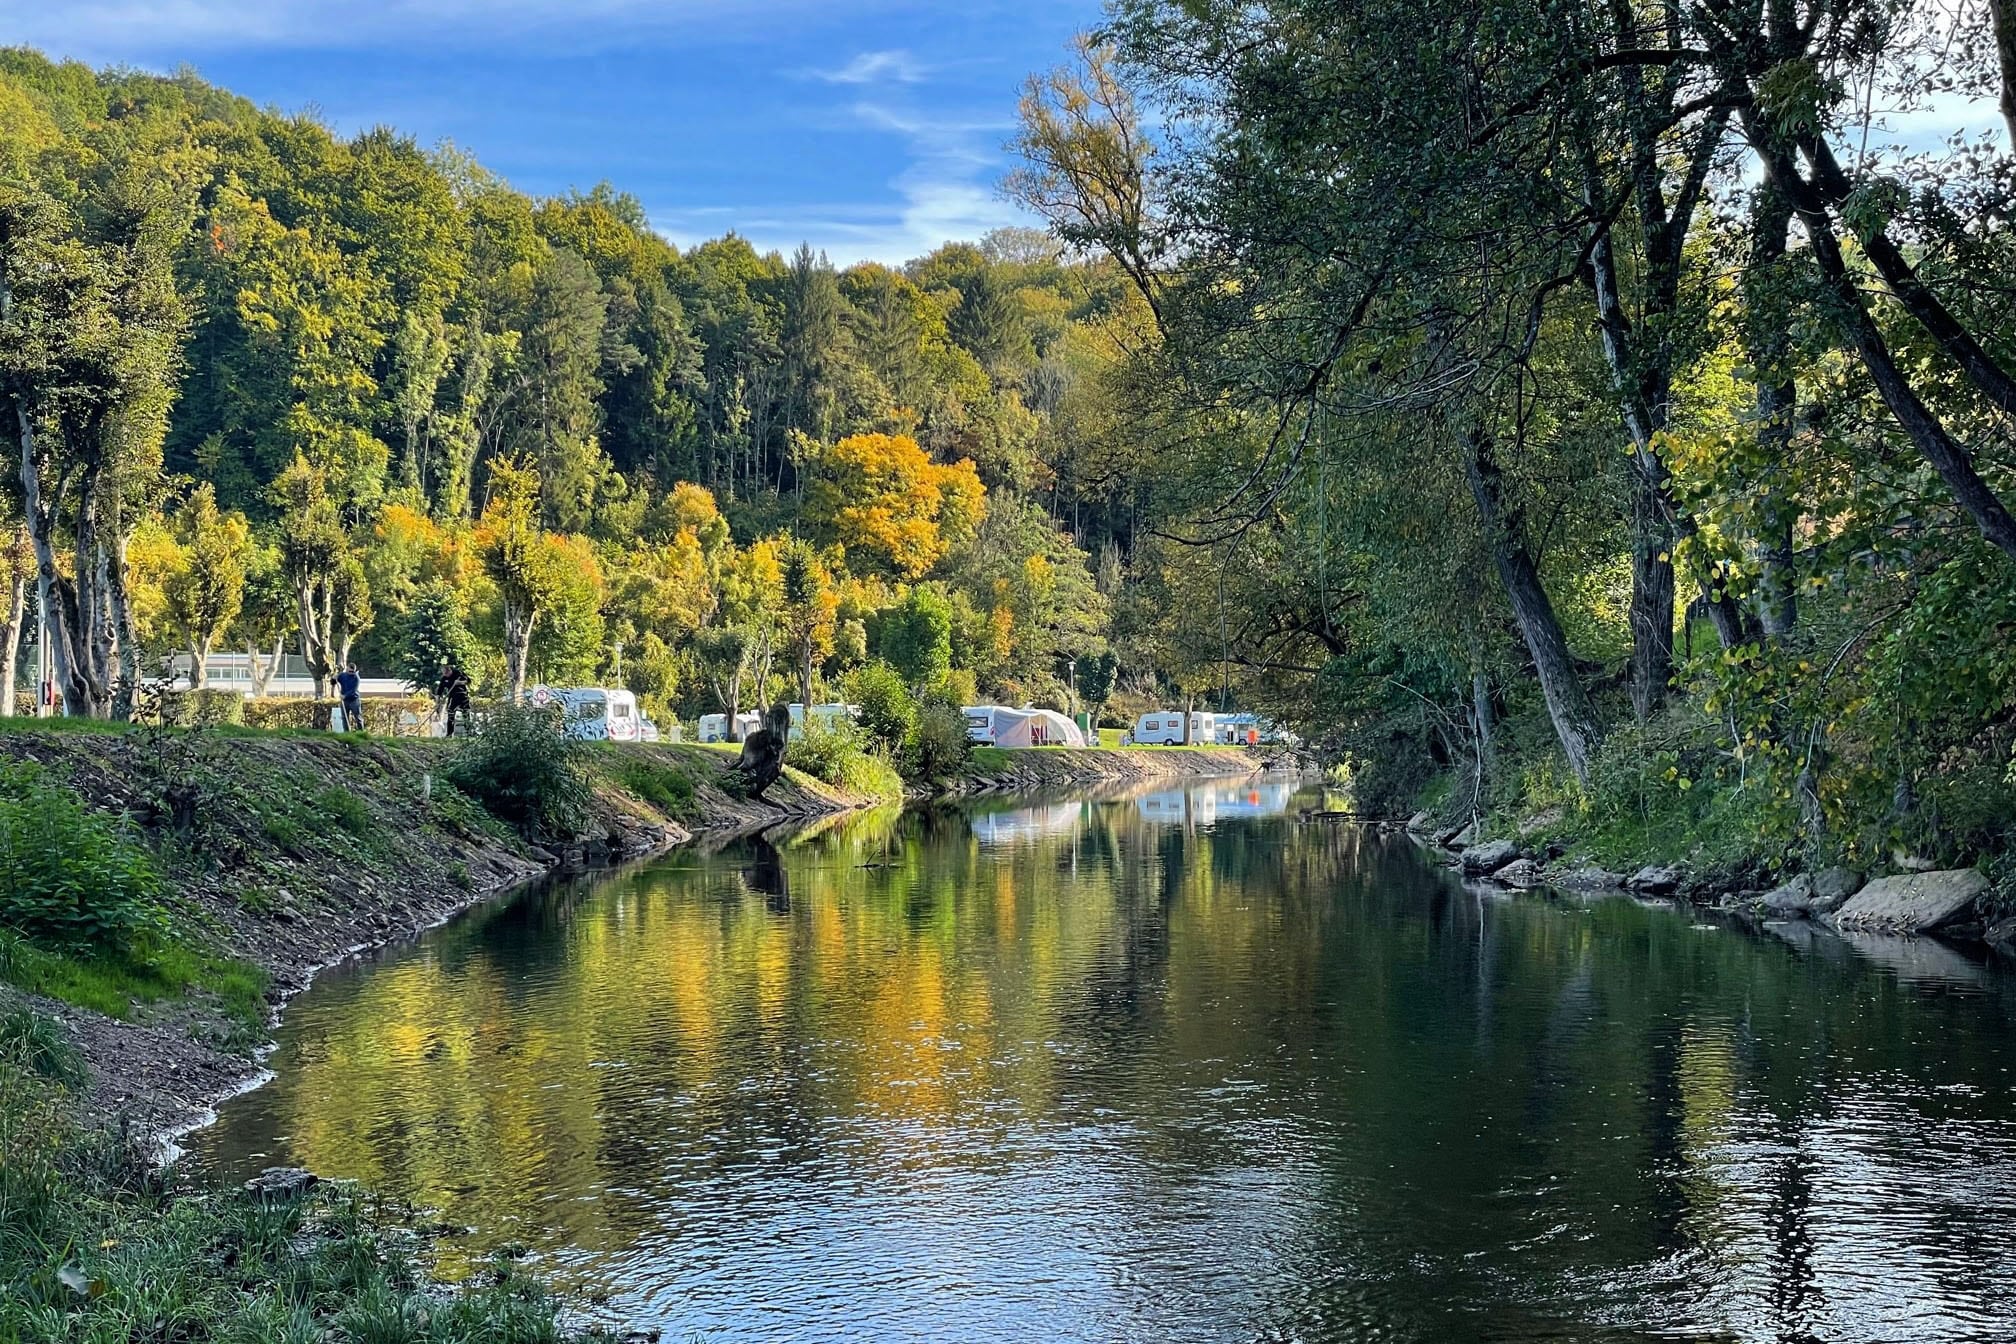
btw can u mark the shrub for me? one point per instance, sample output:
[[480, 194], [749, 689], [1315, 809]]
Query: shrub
[[70, 876], [206, 708], [841, 757], [888, 711], [287, 712], [938, 748], [525, 771], [346, 810]]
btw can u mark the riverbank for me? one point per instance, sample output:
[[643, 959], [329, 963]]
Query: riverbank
[[1909, 896], [994, 770], [279, 854]]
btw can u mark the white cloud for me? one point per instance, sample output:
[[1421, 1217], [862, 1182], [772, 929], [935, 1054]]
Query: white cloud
[[877, 67], [106, 30]]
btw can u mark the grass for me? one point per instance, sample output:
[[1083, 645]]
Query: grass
[[668, 789], [97, 1244], [112, 985]]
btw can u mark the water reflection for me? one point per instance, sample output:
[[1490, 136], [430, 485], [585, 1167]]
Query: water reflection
[[1096, 1070]]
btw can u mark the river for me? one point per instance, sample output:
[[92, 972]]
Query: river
[[1170, 1067]]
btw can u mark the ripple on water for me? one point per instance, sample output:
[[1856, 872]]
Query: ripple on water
[[1078, 1073]]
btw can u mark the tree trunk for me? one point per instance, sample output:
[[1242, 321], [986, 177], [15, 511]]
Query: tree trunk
[[1953, 463], [1487, 731], [2003, 12], [262, 673], [1832, 187], [57, 601], [805, 674], [199, 655], [125, 630], [735, 700], [1574, 718], [518, 624], [10, 640], [312, 601], [1777, 408]]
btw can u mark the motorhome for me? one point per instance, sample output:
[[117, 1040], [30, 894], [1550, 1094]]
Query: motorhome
[[593, 713], [715, 728], [1164, 727], [826, 717]]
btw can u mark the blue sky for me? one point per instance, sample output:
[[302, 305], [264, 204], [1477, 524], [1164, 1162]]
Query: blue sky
[[869, 128]]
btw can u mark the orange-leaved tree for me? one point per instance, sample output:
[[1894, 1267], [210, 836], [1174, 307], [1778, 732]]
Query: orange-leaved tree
[[883, 499]]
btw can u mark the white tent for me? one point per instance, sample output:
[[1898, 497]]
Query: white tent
[[1034, 728]]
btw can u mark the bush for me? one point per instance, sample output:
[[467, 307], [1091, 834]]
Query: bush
[[841, 757], [888, 712], [526, 771], [70, 876], [276, 711], [206, 708], [938, 748]]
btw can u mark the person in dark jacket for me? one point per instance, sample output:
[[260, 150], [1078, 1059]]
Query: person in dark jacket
[[454, 691], [349, 687]]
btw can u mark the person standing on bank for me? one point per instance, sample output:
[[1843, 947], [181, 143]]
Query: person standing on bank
[[349, 687], [455, 694]]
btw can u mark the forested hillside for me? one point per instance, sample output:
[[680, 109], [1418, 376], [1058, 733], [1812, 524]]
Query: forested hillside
[[357, 399], [1587, 403], [1552, 409]]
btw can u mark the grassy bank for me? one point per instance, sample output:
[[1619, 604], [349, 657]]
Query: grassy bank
[[97, 1244], [162, 891]]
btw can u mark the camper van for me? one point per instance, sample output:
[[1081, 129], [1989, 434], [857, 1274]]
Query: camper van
[[1164, 727], [827, 717], [714, 727], [593, 713]]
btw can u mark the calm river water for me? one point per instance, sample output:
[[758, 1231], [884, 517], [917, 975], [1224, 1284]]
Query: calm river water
[[1170, 1067]]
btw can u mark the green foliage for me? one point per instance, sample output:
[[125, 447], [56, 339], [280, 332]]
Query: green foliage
[[71, 877], [916, 636], [346, 811], [526, 771], [937, 748], [665, 787], [434, 634], [888, 710], [843, 759]]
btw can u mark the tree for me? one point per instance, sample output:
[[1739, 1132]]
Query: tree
[[90, 329], [332, 596], [518, 559], [882, 499], [434, 634], [916, 637], [810, 609], [207, 590]]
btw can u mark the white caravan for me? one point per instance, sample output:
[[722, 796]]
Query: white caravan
[[1164, 728], [593, 713], [714, 727]]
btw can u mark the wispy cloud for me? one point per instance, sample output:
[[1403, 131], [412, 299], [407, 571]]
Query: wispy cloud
[[137, 29], [877, 67]]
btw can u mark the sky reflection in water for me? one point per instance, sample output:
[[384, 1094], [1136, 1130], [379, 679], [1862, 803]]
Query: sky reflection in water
[[1175, 1066]]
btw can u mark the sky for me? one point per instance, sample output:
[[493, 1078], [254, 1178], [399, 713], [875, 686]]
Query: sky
[[871, 129]]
